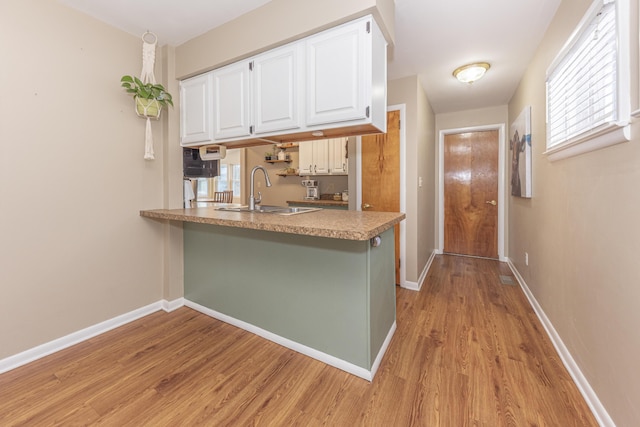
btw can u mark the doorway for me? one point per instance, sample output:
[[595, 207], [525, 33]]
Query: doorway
[[471, 191], [381, 180]]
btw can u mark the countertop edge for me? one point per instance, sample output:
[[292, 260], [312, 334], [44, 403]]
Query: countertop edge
[[247, 222]]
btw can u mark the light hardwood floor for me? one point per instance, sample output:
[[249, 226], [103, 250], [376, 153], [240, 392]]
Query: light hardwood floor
[[468, 351]]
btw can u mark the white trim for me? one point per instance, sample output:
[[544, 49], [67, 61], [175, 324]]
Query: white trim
[[416, 286], [403, 184], [403, 188], [592, 141], [598, 410], [74, 338], [300, 348], [170, 306], [501, 182], [383, 350], [51, 347], [607, 134]]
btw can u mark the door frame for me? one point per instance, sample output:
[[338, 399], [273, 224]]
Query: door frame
[[501, 182], [403, 185]]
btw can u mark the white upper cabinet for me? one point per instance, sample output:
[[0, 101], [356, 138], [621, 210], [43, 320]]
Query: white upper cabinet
[[347, 77], [196, 114], [232, 98], [338, 162], [336, 81], [277, 79]]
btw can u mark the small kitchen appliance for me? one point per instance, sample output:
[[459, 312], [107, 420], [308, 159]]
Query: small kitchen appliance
[[313, 192]]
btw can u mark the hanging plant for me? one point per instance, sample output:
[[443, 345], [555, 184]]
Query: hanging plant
[[149, 97]]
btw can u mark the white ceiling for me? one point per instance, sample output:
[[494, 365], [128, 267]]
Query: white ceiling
[[433, 37]]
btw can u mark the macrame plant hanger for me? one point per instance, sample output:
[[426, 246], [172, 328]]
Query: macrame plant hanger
[[147, 76]]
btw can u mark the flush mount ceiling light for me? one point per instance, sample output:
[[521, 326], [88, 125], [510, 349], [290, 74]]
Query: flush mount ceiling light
[[471, 72]]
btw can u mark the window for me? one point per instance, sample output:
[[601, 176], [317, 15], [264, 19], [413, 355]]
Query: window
[[230, 177], [588, 84]]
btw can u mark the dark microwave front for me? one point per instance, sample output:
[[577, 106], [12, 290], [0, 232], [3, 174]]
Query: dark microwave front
[[194, 167]]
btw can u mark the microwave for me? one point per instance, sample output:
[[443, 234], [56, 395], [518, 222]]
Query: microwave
[[194, 167]]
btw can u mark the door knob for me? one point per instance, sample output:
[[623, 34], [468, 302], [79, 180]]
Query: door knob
[[366, 206], [491, 202]]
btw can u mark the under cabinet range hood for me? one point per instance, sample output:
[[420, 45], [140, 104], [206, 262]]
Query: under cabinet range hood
[[328, 85], [194, 167]]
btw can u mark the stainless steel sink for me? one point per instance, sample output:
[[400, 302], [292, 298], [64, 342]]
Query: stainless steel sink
[[278, 210]]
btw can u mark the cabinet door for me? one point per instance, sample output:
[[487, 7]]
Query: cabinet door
[[338, 156], [321, 157], [196, 118], [314, 157], [277, 89], [232, 97], [336, 73], [305, 152]]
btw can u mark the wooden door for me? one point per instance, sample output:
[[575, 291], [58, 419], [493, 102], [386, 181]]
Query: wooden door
[[471, 193], [381, 174]]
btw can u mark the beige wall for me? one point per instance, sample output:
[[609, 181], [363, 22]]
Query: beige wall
[[426, 159], [74, 250], [420, 148], [581, 232], [273, 24], [471, 118]]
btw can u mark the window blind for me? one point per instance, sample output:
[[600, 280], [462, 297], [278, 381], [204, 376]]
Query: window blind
[[582, 87]]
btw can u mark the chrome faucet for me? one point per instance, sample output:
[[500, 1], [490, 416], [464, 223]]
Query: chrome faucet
[[253, 201]]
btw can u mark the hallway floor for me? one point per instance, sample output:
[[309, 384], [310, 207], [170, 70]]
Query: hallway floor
[[468, 350]]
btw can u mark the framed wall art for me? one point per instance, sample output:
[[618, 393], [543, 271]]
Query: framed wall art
[[520, 149]]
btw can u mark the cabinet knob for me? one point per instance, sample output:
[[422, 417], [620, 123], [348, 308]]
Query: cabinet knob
[[366, 206], [491, 202]]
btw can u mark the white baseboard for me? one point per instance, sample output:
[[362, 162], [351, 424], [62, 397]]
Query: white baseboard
[[51, 347], [169, 306], [300, 348], [383, 350], [598, 410], [416, 286]]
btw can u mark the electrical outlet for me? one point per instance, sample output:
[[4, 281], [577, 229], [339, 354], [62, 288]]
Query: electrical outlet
[[526, 258], [420, 181]]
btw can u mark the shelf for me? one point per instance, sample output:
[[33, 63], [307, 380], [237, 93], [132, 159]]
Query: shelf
[[285, 145], [287, 174], [278, 161]]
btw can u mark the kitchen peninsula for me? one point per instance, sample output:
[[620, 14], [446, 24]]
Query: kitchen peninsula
[[321, 283]]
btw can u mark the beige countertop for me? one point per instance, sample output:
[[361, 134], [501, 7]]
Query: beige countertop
[[336, 224]]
